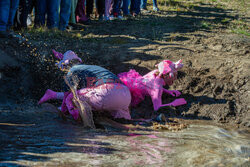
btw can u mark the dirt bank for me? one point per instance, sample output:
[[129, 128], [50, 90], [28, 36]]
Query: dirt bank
[[214, 81]]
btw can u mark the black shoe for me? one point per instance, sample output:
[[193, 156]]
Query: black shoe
[[87, 22], [101, 18], [73, 26]]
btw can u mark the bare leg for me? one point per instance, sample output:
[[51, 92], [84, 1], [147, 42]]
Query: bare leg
[[51, 95]]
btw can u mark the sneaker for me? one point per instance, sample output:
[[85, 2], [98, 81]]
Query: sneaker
[[111, 17], [120, 17], [29, 20], [87, 22], [101, 18], [156, 9], [106, 18], [127, 16], [144, 10], [115, 14]]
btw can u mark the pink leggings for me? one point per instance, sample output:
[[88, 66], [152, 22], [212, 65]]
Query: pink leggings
[[113, 97]]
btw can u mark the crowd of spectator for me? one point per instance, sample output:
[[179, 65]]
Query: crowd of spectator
[[59, 13]]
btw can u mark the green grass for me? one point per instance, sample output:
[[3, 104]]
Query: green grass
[[240, 27], [206, 25], [240, 31]]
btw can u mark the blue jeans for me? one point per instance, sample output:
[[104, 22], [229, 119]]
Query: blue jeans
[[125, 4], [65, 10], [116, 7], [135, 6], [144, 4], [8, 10], [51, 7]]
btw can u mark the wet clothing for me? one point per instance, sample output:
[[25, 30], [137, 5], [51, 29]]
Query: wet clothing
[[87, 76], [114, 98], [100, 88]]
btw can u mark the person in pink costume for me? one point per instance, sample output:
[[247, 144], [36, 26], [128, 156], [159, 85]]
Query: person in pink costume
[[152, 84], [98, 87]]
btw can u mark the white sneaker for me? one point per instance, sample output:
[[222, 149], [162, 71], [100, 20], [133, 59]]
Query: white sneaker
[[29, 20], [156, 9]]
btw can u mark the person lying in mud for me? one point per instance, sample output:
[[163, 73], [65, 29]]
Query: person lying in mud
[[104, 91], [152, 84], [96, 87]]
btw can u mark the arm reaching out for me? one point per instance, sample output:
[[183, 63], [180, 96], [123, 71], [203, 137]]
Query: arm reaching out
[[175, 93], [156, 95]]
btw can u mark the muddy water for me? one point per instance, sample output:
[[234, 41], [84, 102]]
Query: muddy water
[[43, 139]]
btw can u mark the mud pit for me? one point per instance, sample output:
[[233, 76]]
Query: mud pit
[[214, 81]]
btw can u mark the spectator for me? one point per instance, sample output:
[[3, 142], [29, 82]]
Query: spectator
[[25, 8], [73, 9], [108, 8], [8, 10], [80, 15], [64, 14], [89, 9], [135, 7], [125, 4], [100, 5], [144, 5], [116, 9], [50, 7]]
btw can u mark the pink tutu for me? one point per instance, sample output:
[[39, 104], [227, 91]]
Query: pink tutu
[[133, 80]]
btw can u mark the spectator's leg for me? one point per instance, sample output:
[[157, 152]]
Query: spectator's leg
[[116, 8], [73, 9], [4, 14], [111, 7], [12, 12], [132, 6], [64, 14], [125, 7], [137, 6], [40, 13], [107, 9], [100, 8], [89, 7], [155, 7], [144, 4], [24, 9], [53, 15], [80, 12]]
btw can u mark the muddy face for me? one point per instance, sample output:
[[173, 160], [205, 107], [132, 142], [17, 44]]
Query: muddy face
[[169, 78]]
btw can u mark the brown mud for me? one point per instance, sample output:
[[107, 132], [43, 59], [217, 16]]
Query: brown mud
[[214, 80]]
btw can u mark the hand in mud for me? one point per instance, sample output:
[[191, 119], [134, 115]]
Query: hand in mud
[[177, 102], [74, 113], [79, 119], [175, 93]]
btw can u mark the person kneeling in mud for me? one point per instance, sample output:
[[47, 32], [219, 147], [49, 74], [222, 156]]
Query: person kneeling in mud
[[92, 88]]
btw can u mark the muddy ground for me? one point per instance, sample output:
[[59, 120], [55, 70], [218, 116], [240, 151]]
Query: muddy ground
[[211, 37]]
